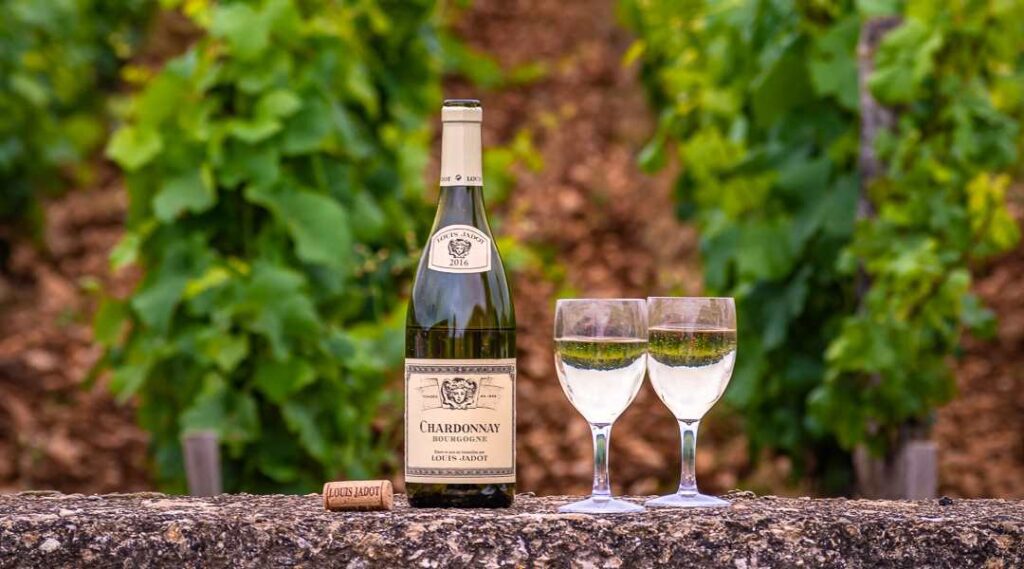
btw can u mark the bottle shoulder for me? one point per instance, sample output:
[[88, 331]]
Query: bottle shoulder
[[480, 299], [461, 280]]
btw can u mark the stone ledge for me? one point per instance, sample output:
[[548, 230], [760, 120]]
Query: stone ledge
[[56, 530]]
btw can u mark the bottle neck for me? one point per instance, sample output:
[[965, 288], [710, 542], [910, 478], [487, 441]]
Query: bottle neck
[[461, 162], [461, 205], [461, 200]]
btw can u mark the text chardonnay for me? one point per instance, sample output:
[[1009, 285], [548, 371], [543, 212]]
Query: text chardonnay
[[460, 343]]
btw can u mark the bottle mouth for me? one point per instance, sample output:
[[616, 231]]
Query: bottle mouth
[[462, 110], [462, 103]]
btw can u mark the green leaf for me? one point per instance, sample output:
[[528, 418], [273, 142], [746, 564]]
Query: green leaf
[[369, 223], [977, 317], [109, 321], [126, 251], [833, 69], [258, 164], [190, 191], [30, 89], [246, 32], [133, 147], [306, 131], [354, 138], [243, 419], [232, 415], [208, 410], [480, 68], [764, 251], [904, 59], [254, 130], [781, 87], [990, 220], [280, 379], [318, 225], [163, 96], [301, 418], [279, 103], [155, 302], [862, 346], [278, 456], [127, 380], [274, 304], [226, 350], [359, 84], [785, 304], [652, 156], [876, 8], [214, 277], [718, 250]]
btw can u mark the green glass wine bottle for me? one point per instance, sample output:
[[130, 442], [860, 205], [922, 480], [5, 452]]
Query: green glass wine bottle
[[460, 342]]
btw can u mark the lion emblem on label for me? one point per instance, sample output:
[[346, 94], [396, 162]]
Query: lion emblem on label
[[459, 248], [458, 393]]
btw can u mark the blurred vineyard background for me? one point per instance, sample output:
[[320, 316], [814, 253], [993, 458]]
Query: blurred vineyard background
[[210, 211]]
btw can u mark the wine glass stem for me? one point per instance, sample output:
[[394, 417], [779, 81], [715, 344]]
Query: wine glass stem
[[602, 435], [688, 473]]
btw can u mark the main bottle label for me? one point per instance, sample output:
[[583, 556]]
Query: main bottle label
[[460, 249], [460, 421]]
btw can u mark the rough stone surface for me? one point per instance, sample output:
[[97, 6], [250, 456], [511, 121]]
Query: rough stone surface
[[57, 530]]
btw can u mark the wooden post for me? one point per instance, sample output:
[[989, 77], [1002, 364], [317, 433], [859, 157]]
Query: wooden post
[[202, 463], [909, 471], [911, 468], [874, 117]]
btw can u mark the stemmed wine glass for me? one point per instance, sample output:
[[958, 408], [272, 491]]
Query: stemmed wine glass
[[601, 356], [692, 347]]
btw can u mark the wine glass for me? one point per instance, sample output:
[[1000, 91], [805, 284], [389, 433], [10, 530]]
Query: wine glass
[[601, 355], [692, 347]]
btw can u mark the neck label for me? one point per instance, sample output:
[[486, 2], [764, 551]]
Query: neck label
[[460, 154], [460, 249]]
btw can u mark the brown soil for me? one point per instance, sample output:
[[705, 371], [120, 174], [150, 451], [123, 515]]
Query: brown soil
[[981, 433], [53, 432]]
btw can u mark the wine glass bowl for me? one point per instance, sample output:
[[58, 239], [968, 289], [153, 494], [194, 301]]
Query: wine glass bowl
[[601, 357]]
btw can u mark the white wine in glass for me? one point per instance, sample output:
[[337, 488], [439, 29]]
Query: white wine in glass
[[600, 376], [692, 347], [690, 367]]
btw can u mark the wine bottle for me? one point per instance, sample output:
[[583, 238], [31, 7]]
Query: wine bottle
[[460, 342]]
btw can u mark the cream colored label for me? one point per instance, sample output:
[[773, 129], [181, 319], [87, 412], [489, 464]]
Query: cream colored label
[[460, 249], [460, 154], [460, 424]]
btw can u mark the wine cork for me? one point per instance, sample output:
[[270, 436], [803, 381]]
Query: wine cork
[[359, 495]]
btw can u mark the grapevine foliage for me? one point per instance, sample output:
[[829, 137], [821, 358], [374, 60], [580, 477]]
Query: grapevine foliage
[[953, 73], [759, 100], [57, 58], [275, 182]]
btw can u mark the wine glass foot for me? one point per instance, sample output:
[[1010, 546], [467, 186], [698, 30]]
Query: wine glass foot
[[686, 501], [601, 505]]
